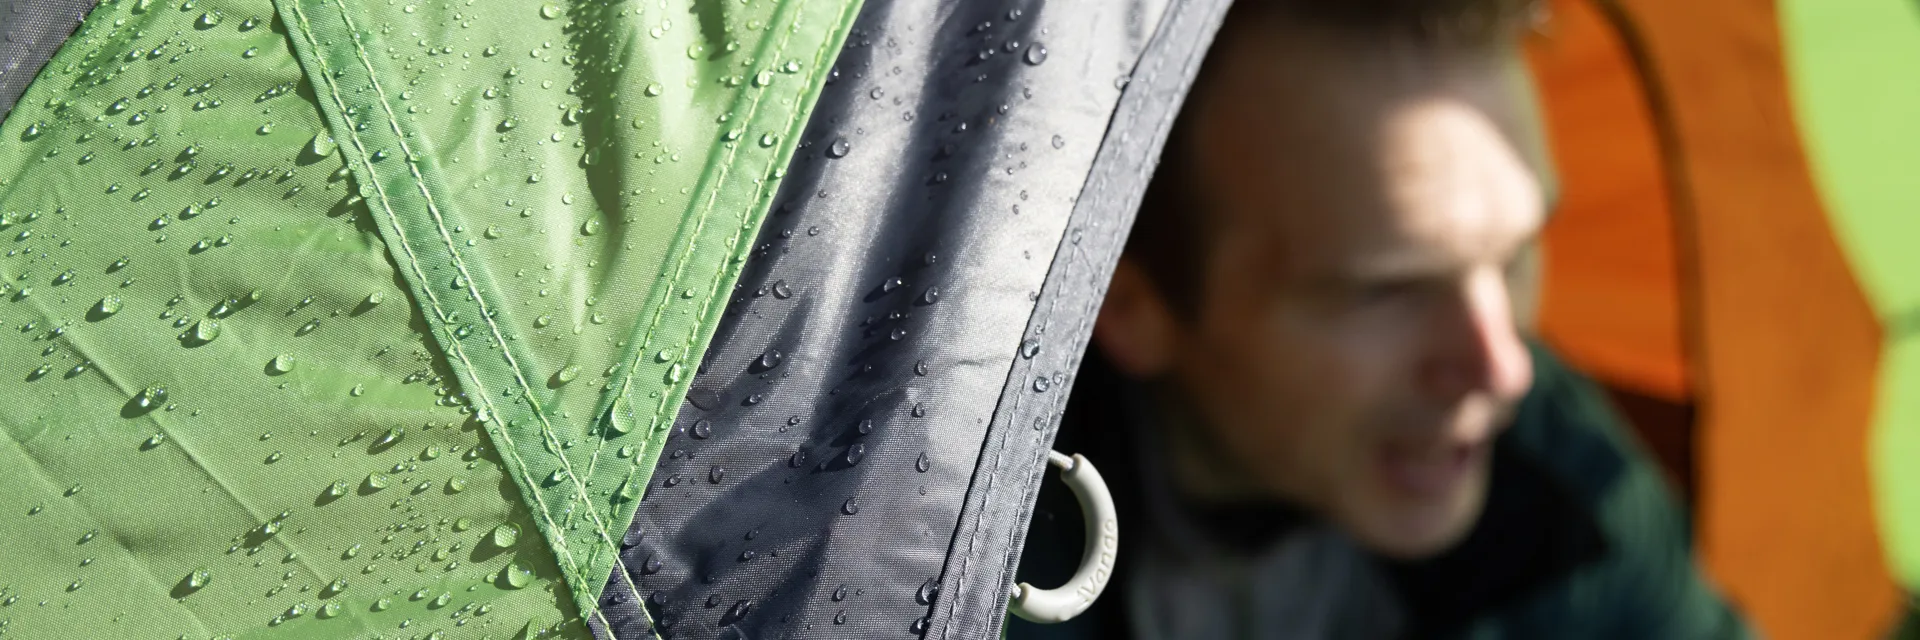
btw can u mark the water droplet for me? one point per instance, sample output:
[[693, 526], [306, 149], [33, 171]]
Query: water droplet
[[280, 364], [865, 427], [928, 591], [841, 617], [674, 372], [920, 368], [376, 481], [1059, 142], [155, 440], [921, 464], [781, 290], [899, 333], [337, 489], [590, 227], [1036, 53], [441, 601], [855, 453], [1030, 348], [770, 358], [931, 296], [767, 139], [515, 576], [851, 506], [702, 429], [198, 578], [763, 78], [919, 410], [1041, 384], [839, 148], [567, 374], [505, 535], [203, 331], [840, 593], [322, 145], [391, 436], [550, 11], [655, 89], [208, 20]]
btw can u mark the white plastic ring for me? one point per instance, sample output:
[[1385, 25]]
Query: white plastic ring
[[1049, 606]]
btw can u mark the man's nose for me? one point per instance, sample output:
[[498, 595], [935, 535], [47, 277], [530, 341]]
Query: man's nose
[[1479, 348]]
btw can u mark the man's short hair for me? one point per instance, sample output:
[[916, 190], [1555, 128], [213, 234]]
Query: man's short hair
[[1172, 232]]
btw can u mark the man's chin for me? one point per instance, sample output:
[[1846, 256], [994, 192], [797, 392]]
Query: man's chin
[[1408, 529]]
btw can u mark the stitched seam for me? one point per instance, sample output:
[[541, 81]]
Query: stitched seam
[[580, 494], [556, 538], [656, 424], [1076, 259]]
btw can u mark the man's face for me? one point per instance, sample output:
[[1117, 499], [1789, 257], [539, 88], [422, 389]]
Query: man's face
[[1355, 350]]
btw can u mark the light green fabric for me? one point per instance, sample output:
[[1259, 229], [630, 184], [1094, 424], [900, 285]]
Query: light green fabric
[[1851, 65], [462, 258]]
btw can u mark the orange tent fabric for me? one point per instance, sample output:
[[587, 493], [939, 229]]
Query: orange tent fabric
[[1691, 260]]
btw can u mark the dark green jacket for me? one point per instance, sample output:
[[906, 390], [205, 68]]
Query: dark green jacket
[[1580, 538]]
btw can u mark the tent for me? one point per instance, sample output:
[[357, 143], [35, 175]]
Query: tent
[[533, 319], [1732, 239], [549, 319]]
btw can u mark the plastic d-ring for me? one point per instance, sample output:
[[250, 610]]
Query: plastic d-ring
[[1048, 606]]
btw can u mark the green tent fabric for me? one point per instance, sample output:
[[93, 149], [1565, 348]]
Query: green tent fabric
[[1850, 64], [343, 319]]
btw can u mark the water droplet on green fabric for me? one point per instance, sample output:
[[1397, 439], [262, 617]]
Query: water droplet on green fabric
[[322, 145], [567, 374], [203, 331], [515, 576], [376, 481], [505, 535], [550, 11], [280, 364], [198, 578], [763, 78], [655, 89], [456, 485]]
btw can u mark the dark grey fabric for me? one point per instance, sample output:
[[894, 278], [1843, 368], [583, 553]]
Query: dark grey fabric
[[30, 32], [861, 448], [987, 546]]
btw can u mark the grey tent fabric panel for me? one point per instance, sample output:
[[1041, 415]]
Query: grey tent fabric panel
[[986, 551], [30, 32], [815, 477]]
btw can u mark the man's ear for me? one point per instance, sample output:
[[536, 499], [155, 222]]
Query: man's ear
[[1136, 329]]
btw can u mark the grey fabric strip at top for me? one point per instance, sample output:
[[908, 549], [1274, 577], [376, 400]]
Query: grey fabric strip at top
[[30, 32]]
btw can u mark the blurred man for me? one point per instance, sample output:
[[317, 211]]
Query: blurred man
[[1334, 427]]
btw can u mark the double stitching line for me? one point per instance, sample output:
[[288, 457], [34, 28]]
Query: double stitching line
[[558, 539]]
